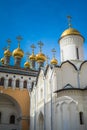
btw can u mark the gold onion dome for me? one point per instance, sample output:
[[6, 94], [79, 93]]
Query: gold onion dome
[[2, 60], [70, 31], [18, 53], [32, 57], [54, 61], [7, 52], [27, 64], [40, 57]]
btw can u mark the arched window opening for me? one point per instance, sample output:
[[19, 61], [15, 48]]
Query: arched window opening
[[2, 81], [81, 118], [17, 83], [12, 119], [77, 52], [0, 117], [10, 82], [25, 84]]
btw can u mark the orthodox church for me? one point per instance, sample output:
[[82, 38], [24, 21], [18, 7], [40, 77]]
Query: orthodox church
[[47, 97]]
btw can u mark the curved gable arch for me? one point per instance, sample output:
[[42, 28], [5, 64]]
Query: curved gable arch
[[83, 65], [68, 86], [69, 63], [83, 74], [68, 74]]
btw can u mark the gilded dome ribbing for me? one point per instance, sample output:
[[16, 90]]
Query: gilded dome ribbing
[[27, 64], [32, 57], [40, 57], [70, 31], [18, 53], [54, 61], [7, 53], [2, 60]]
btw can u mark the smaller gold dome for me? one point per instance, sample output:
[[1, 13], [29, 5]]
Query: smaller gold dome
[[70, 31], [27, 64], [54, 61], [18, 53], [2, 60], [40, 57], [7, 53], [32, 57]]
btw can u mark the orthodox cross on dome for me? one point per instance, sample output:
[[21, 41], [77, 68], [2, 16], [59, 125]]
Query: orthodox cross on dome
[[40, 44], [19, 38], [53, 51], [9, 42], [33, 47], [27, 54], [69, 21]]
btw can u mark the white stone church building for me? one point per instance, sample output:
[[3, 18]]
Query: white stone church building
[[59, 95]]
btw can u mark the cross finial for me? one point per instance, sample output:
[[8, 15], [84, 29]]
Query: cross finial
[[19, 38], [9, 42], [33, 47], [69, 21], [53, 51], [40, 45]]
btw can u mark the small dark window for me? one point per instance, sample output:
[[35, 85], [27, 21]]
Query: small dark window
[[10, 82], [17, 83], [25, 84], [0, 117], [2, 81], [12, 119], [29, 78], [81, 118], [77, 53], [14, 76]]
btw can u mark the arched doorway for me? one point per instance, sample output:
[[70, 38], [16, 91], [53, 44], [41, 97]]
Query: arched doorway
[[10, 113]]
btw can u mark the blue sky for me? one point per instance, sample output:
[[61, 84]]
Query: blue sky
[[40, 20]]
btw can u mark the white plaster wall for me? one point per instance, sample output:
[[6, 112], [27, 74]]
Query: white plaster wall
[[67, 112], [83, 75], [68, 46], [66, 74]]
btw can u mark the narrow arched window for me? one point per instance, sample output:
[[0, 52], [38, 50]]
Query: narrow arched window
[[17, 83], [81, 118], [25, 84], [12, 119], [2, 81], [77, 52], [10, 82]]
